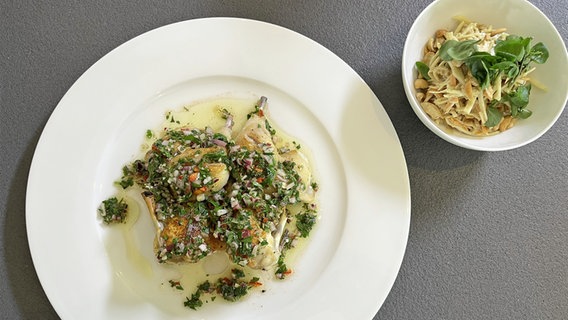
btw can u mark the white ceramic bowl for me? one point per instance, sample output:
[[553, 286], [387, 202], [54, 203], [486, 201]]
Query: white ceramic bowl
[[519, 17]]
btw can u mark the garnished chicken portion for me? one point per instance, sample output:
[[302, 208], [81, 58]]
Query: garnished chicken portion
[[207, 191]]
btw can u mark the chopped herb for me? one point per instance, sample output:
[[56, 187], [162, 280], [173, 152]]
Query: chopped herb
[[238, 273], [230, 289], [149, 134], [281, 269], [269, 127], [176, 284], [315, 186], [195, 301], [113, 210], [205, 286], [305, 222], [126, 180]]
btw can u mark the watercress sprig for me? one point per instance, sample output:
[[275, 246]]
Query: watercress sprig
[[511, 58]]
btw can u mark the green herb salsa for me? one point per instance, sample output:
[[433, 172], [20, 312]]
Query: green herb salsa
[[247, 192], [113, 210]]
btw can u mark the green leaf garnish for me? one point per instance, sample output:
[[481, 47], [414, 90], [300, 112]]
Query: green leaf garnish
[[524, 113], [480, 71], [512, 57], [520, 97], [518, 100], [538, 53], [457, 50], [494, 116], [511, 49], [423, 69]]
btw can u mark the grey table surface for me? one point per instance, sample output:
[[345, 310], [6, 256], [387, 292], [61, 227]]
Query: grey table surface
[[488, 236]]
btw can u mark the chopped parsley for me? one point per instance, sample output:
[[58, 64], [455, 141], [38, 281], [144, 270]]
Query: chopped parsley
[[113, 210], [305, 221], [175, 284], [230, 288], [315, 186], [281, 269], [195, 301], [126, 180], [269, 127]]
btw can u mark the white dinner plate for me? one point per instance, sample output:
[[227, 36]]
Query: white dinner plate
[[354, 253]]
